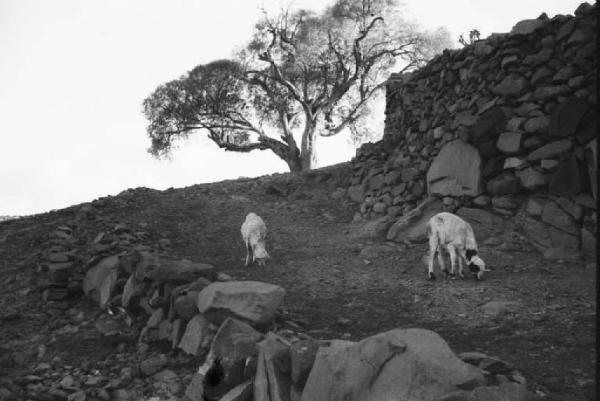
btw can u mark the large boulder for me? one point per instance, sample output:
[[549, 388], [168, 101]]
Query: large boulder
[[273, 370], [455, 171], [99, 281], [413, 225], [253, 301], [400, 365], [230, 360]]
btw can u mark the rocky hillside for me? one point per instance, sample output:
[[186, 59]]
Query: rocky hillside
[[196, 324], [503, 131]]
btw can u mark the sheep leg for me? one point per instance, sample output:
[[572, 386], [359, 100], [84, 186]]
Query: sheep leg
[[452, 252], [460, 266], [249, 254], [441, 262], [433, 245]]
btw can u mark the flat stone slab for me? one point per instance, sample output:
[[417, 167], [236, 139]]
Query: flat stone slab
[[251, 300], [455, 171]]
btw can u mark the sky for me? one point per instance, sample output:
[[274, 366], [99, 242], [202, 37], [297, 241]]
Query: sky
[[73, 75]]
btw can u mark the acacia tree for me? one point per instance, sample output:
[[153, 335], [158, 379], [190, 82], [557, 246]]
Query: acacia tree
[[474, 35], [301, 75]]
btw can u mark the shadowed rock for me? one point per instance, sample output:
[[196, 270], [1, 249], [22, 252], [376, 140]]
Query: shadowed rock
[[100, 280], [231, 359], [253, 301], [402, 364], [272, 381]]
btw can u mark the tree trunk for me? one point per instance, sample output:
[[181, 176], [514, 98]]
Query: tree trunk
[[308, 154], [298, 160], [294, 163]]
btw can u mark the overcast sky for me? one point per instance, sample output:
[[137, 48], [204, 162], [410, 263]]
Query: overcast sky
[[73, 75]]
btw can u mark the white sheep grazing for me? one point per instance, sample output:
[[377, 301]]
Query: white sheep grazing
[[456, 235], [254, 233]]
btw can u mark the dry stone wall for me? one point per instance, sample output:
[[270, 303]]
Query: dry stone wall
[[506, 124]]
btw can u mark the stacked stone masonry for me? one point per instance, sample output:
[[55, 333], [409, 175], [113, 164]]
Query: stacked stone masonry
[[507, 124]]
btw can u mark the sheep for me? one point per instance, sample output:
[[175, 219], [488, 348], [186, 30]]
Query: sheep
[[456, 235], [254, 233]]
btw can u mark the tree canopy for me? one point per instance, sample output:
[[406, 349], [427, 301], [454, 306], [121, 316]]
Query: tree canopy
[[302, 74]]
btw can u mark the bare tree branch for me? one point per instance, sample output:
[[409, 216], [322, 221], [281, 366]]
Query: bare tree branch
[[354, 114], [267, 57]]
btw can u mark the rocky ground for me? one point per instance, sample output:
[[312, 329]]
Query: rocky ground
[[537, 315]]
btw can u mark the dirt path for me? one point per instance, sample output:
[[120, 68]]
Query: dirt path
[[335, 291]]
